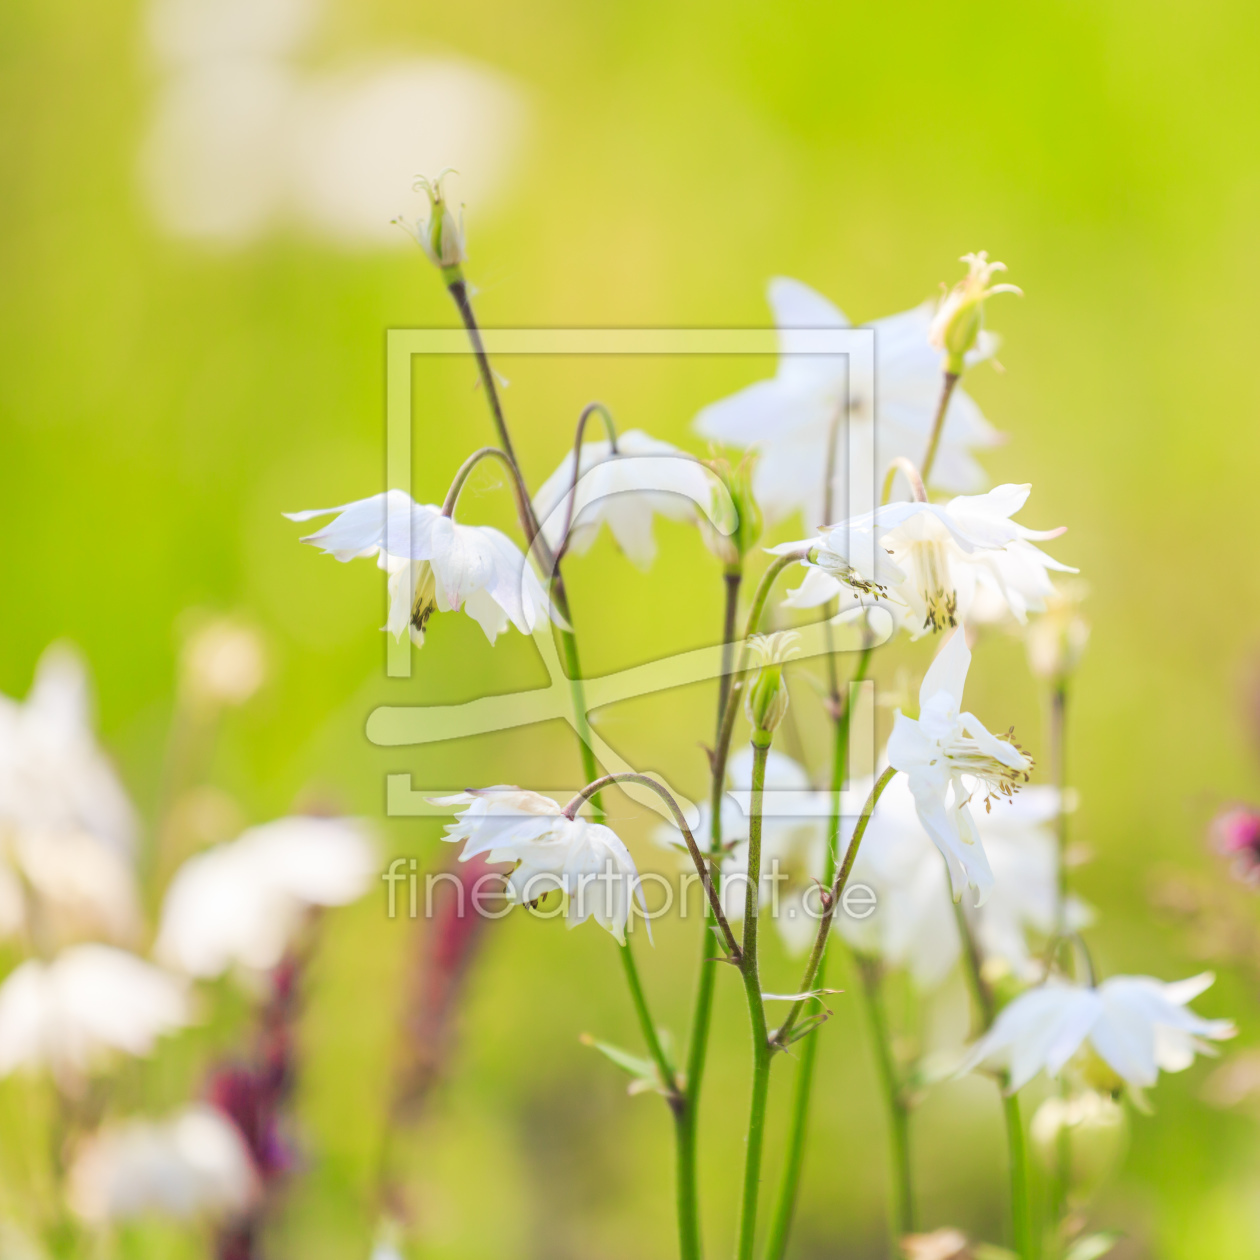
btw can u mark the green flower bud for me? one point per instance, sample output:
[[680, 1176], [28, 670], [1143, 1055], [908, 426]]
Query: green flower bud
[[766, 698], [442, 237], [960, 316], [731, 548]]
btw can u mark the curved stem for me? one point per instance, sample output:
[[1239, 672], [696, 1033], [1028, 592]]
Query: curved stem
[[630, 776], [732, 579], [973, 965], [903, 466], [832, 899], [465, 469], [571, 499], [938, 424], [901, 1197], [756, 1012]]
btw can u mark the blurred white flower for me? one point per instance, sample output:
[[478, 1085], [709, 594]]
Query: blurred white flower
[[934, 560], [793, 837], [1056, 640], [434, 564], [244, 139], [790, 418], [586, 861], [193, 1164], [53, 775], [81, 887], [67, 1014], [944, 750], [224, 662], [1135, 1025], [913, 924], [625, 488], [243, 901]]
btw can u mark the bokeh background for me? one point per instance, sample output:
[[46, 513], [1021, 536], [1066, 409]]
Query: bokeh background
[[198, 273]]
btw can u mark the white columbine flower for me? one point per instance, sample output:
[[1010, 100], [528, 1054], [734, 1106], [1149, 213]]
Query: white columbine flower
[[53, 775], [790, 418], [1134, 1024], [552, 852], [434, 564], [625, 488], [913, 923], [66, 1014], [243, 901], [193, 1164], [948, 756], [932, 560]]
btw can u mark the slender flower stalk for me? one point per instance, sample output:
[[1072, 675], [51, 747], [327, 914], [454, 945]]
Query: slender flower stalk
[[756, 1011], [794, 1156], [901, 1197], [948, 381], [702, 1007], [1016, 1145], [831, 899]]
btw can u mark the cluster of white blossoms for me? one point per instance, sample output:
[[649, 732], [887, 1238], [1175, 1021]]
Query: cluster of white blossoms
[[82, 1000], [952, 808]]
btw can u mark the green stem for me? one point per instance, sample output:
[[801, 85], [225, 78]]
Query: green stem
[[756, 1010], [1021, 1203], [798, 1124], [702, 1007], [834, 893], [1061, 1182], [901, 1197], [650, 1035], [938, 424]]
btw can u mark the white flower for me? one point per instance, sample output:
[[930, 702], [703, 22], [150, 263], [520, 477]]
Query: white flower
[[790, 417], [67, 1014], [242, 902], [793, 837], [1134, 1024], [625, 488], [586, 861], [943, 752], [53, 775], [434, 564], [913, 924], [195, 1163], [223, 663], [934, 560], [82, 887]]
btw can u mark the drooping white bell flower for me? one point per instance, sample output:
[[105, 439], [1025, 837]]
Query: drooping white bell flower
[[67, 1014], [242, 902], [193, 1164], [1135, 1025], [793, 837], [931, 560], [434, 564], [53, 775], [625, 488], [949, 756], [585, 861], [790, 417], [913, 923]]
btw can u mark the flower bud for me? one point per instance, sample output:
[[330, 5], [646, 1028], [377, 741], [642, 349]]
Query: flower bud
[[442, 238], [731, 548], [1096, 1130], [766, 700], [223, 664], [960, 316], [1056, 639]]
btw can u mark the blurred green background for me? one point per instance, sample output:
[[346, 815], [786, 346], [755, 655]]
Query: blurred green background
[[163, 402]]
